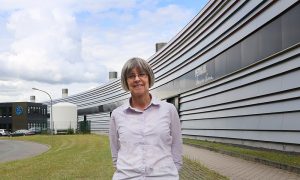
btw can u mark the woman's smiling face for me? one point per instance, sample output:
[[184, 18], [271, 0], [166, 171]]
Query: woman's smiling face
[[138, 82]]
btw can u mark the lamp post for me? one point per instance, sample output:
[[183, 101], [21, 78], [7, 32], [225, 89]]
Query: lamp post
[[51, 120]]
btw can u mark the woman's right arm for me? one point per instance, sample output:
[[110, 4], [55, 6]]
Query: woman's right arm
[[114, 139]]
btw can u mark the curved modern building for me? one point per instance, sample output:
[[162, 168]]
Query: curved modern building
[[233, 73]]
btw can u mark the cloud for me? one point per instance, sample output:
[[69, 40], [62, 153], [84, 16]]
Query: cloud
[[47, 44], [137, 39], [54, 44]]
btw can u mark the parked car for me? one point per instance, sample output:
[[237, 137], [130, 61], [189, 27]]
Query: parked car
[[36, 130], [3, 132], [22, 132]]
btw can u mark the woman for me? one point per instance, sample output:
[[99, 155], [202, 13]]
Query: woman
[[145, 134]]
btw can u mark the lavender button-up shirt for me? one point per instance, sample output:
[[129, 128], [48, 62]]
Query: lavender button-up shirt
[[146, 144]]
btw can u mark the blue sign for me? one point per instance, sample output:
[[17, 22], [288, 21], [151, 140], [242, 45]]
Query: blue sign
[[19, 110]]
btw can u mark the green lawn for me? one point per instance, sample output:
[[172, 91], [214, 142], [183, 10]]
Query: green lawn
[[274, 156], [70, 157], [79, 157]]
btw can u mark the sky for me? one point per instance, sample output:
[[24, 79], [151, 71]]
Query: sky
[[73, 44]]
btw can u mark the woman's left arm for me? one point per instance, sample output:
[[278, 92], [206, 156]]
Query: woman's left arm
[[176, 147]]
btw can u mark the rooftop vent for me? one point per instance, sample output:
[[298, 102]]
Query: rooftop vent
[[32, 99], [64, 93], [113, 75]]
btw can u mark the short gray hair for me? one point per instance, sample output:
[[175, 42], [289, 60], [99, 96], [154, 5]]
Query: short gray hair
[[142, 65]]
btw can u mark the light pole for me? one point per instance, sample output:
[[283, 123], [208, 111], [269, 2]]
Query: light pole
[[51, 120]]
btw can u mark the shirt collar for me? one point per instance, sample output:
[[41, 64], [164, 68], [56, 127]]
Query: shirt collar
[[154, 101]]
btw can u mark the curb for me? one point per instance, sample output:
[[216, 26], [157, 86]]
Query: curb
[[289, 168]]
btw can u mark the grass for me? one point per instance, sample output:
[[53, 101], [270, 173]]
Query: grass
[[70, 157], [79, 157], [274, 156], [192, 170]]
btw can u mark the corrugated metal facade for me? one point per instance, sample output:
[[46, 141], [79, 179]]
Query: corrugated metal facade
[[234, 70]]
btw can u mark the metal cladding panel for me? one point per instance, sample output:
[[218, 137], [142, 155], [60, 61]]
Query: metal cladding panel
[[252, 93], [288, 121], [272, 66], [268, 136], [275, 97], [225, 42], [267, 108], [80, 118], [207, 32], [260, 105], [95, 97], [99, 121]]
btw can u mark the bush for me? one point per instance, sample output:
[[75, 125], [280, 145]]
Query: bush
[[70, 131]]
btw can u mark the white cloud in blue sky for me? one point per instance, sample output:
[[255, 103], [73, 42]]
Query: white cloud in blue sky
[[74, 44]]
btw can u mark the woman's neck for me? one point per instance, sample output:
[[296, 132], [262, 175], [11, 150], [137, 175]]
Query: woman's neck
[[140, 102]]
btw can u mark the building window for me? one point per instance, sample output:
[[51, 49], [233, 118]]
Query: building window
[[1, 111], [9, 111]]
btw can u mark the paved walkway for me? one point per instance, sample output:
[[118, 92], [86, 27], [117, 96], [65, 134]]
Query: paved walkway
[[13, 150], [236, 168]]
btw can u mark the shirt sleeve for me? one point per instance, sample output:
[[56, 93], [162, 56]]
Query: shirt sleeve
[[176, 138], [114, 140]]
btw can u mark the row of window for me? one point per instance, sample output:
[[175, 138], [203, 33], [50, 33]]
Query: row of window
[[36, 110], [279, 34], [5, 112], [29, 125], [37, 125], [6, 126]]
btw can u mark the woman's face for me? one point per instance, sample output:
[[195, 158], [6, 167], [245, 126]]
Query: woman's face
[[138, 82]]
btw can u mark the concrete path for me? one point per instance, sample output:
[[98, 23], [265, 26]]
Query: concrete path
[[14, 150], [236, 168]]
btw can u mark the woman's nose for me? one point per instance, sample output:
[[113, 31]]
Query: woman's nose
[[137, 78]]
